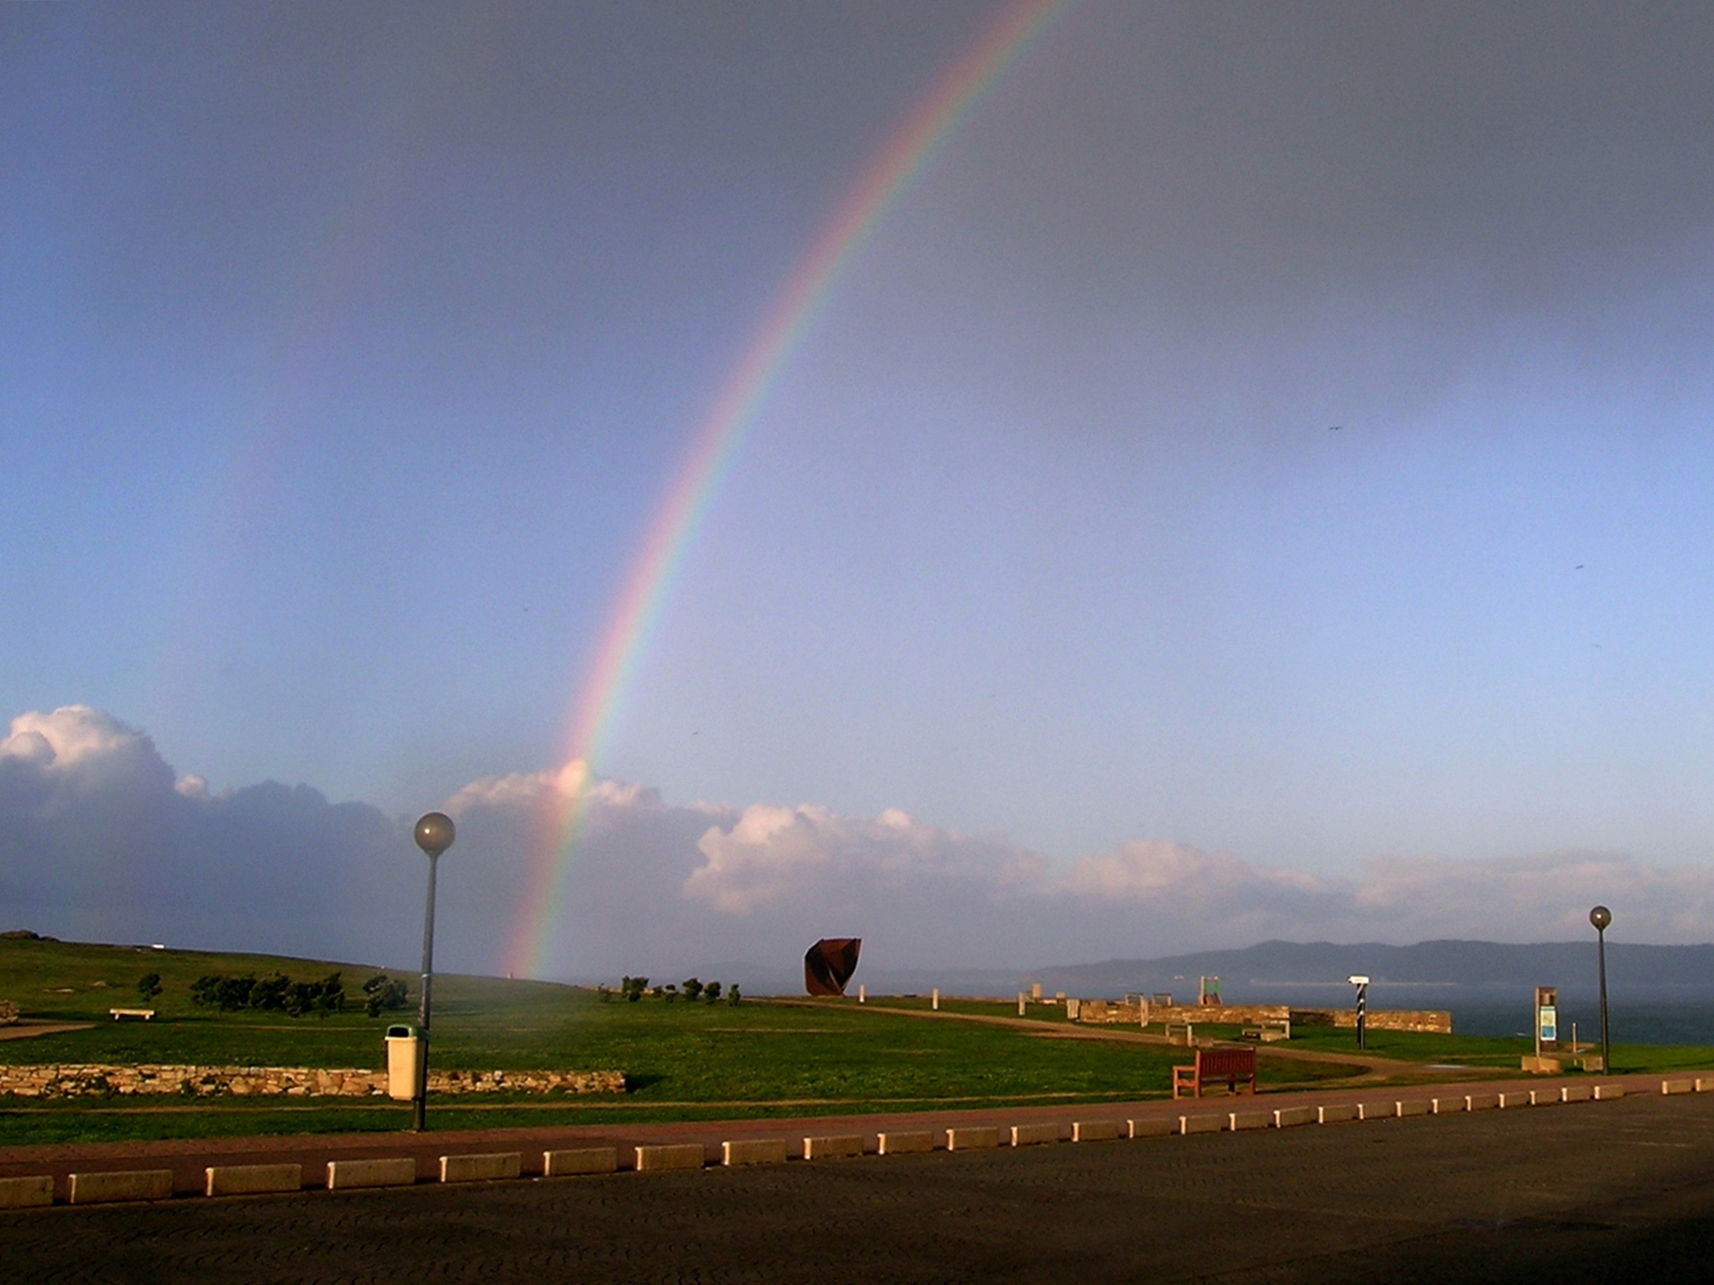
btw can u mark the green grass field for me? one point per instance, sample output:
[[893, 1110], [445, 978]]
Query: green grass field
[[682, 1060]]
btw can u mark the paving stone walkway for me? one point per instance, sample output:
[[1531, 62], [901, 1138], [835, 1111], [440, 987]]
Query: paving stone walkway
[[1619, 1190]]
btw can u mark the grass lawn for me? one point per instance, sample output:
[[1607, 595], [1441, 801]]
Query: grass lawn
[[1502, 1053], [683, 1060]]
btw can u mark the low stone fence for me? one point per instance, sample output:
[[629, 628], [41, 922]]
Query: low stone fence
[[88, 1080], [1109, 1012]]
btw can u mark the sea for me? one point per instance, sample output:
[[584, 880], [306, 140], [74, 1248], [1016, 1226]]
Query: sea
[[1635, 1015]]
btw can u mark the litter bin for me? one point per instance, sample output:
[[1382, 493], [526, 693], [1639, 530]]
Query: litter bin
[[404, 1062]]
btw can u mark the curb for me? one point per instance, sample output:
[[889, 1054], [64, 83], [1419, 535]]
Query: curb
[[35, 1191]]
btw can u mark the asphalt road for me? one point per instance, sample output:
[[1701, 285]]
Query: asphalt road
[[1597, 1191]]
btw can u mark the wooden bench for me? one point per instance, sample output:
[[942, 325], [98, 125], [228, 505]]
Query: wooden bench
[[147, 1014], [1213, 1065]]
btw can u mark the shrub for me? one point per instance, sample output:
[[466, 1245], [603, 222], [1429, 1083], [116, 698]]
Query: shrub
[[149, 986], [692, 988], [382, 994], [733, 995], [712, 992]]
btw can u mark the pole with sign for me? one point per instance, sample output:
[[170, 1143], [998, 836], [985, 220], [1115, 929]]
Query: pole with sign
[[1546, 1020], [1361, 982]]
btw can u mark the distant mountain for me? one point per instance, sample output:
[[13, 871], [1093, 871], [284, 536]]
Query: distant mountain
[[1428, 963]]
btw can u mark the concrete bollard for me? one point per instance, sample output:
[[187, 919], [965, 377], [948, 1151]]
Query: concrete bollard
[[906, 1142], [1151, 1126], [1030, 1135], [1517, 1099], [559, 1164], [250, 1180], [833, 1147], [1237, 1121], [1201, 1123], [1291, 1117], [1410, 1106], [393, 1171], [133, 1184], [669, 1155], [1545, 1097], [1678, 1086], [1481, 1101], [1609, 1092], [1576, 1093], [1095, 1130], [1450, 1106], [1336, 1113], [755, 1151], [493, 1167], [972, 1136], [24, 1193]]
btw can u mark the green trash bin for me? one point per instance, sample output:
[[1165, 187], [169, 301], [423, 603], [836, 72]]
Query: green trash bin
[[404, 1062]]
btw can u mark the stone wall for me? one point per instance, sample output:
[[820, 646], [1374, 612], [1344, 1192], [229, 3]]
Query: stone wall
[[84, 1080], [1434, 1021], [1111, 1012]]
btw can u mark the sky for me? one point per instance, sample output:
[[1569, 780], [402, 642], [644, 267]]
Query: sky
[[1246, 477]]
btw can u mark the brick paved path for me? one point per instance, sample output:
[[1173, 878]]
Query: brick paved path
[[1609, 1191]]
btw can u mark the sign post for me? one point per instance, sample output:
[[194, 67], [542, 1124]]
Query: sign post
[[1546, 1020]]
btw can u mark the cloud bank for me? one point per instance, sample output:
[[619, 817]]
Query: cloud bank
[[101, 839]]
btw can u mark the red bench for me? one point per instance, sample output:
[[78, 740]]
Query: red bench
[[1212, 1066]]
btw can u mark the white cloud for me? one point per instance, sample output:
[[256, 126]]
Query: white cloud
[[100, 838], [1536, 897]]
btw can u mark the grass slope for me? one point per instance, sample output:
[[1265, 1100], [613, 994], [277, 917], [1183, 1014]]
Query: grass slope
[[683, 1060]]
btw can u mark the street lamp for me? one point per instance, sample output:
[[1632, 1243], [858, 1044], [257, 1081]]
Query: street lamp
[[434, 835], [1600, 916]]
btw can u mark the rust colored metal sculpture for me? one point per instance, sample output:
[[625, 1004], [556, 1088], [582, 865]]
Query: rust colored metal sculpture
[[829, 963]]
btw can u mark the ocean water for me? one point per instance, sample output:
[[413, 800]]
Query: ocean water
[[1658, 1015]]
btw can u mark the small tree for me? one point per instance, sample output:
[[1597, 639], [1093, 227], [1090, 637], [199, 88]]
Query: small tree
[[733, 995], [669, 992], [692, 989], [632, 988], [149, 986], [381, 993], [712, 992]]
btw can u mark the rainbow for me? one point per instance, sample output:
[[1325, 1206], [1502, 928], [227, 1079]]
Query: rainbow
[[719, 437]]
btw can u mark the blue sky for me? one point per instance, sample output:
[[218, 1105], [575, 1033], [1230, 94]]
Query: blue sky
[[1271, 435]]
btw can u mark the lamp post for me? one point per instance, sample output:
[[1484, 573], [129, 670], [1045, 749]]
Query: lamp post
[[1600, 916], [434, 834]]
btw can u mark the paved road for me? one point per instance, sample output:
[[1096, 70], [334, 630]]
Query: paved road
[[1599, 1191]]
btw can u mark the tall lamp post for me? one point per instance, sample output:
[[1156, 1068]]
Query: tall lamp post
[[1600, 916], [434, 835]]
